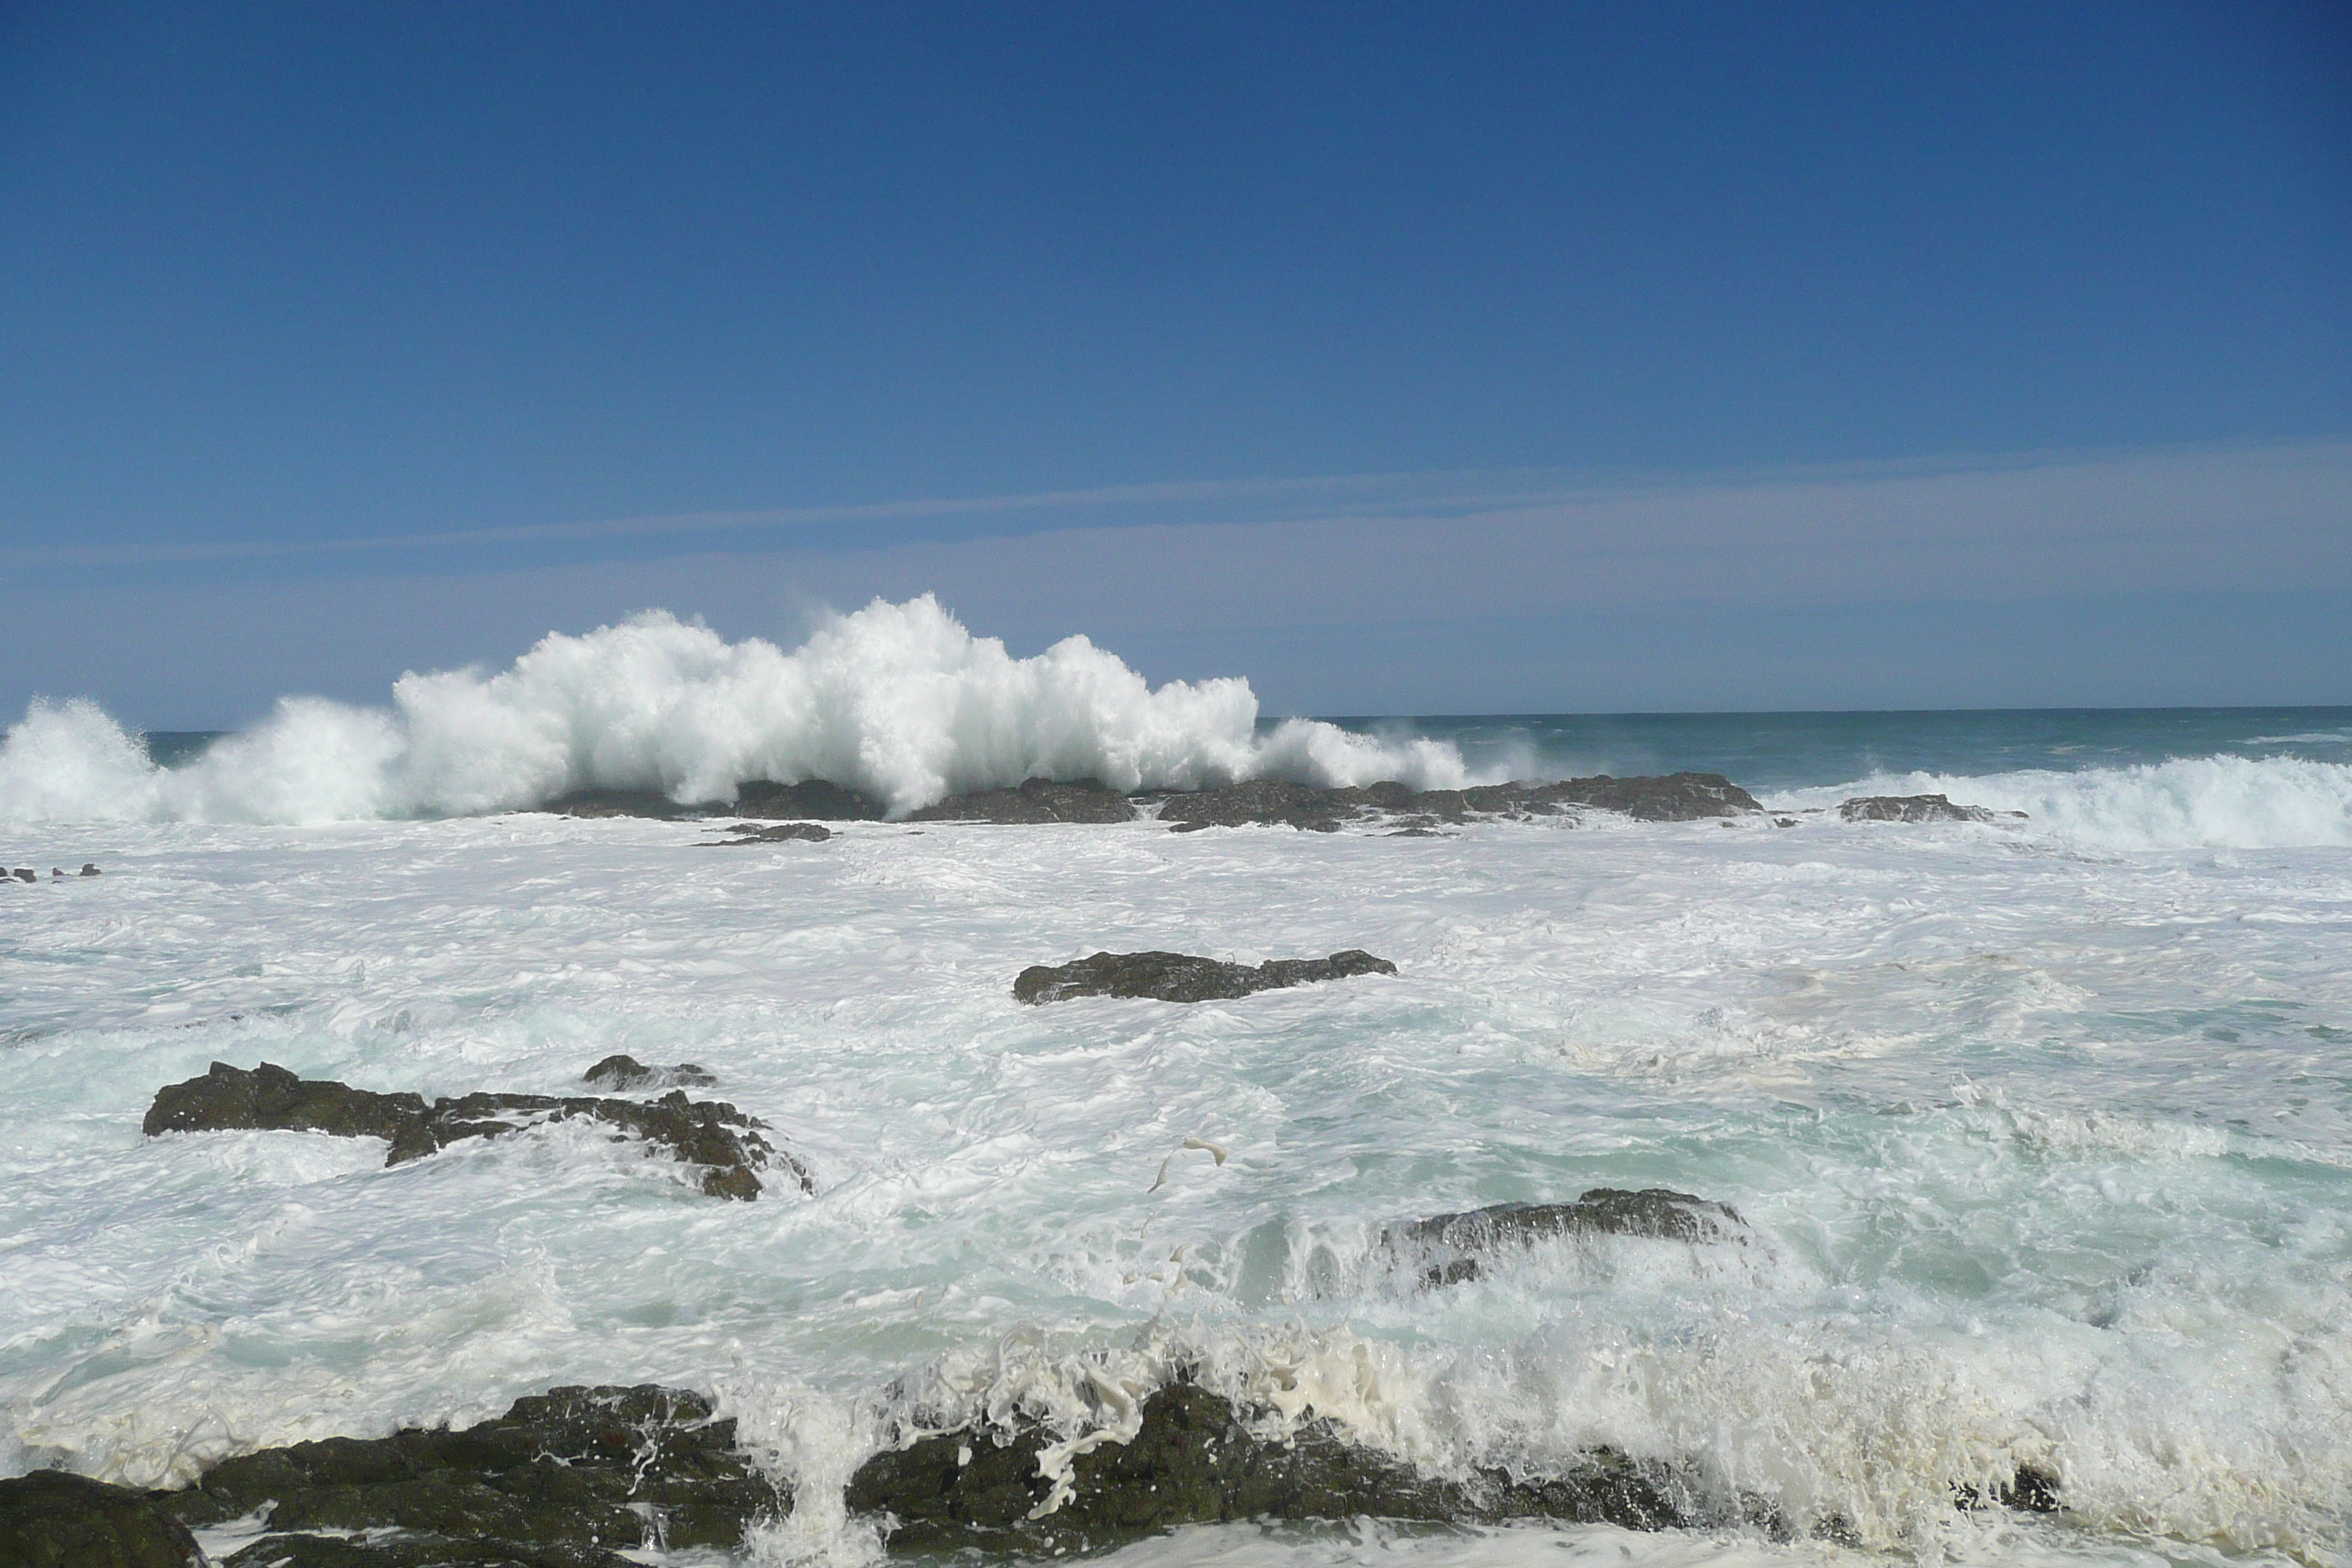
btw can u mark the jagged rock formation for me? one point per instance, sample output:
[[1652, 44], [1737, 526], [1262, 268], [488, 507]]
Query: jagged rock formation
[[1037, 800], [565, 1478], [53, 1520], [783, 832], [1193, 1461], [626, 1073], [626, 803], [1449, 1245], [711, 1135], [1916, 808], [1182, 977]]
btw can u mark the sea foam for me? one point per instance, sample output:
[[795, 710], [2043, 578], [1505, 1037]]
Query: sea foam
[[899, 700]]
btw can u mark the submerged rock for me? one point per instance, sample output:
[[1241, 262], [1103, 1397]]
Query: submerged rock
[[783, 833], [1037, 800], [1182, 977], [1194, 1460], [583, 1471], [1450, 1245], [1916, 808], [54, 1520], [622, 1072], [711, 1135]]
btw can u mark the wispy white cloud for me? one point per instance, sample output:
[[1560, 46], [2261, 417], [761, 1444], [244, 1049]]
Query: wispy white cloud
[[2050, 511]]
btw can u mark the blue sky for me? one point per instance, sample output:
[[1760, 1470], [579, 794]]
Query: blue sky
[[1890, 355]]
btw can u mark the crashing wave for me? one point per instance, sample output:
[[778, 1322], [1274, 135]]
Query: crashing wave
[[898, 700]]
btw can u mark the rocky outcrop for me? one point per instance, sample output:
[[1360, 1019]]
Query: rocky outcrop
[[782, 833], [1672, 797], [623, 1074], [1448, 1247], [1193, 1460], [627, 802], [1037, 800], [711, 1135], [416, 1549], [564, 1479], [1916, 808], [811, 798], [53, 1520], [1181, 977]]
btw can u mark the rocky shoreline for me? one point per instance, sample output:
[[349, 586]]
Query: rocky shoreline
[[800, 810]]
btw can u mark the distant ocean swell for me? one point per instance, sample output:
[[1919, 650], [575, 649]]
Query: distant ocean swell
[[903, 702]]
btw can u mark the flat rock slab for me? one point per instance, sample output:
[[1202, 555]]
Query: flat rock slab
[[54, 1520], [711, 1135], [1193, 1460], [1916, 808], [1449, 1245], [1037, 800], [563, 1480], [1182, 977]]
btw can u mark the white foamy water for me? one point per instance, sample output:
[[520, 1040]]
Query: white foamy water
[[2042, 1131], [2186, 803], [900, 700]]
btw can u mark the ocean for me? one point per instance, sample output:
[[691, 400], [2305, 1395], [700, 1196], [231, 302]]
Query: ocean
[[2039, 1128]]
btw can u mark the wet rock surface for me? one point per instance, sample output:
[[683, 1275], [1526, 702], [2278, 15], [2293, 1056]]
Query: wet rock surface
[[1916, 808], [415, 1549], [1037, 800], [563, 1480], [627, 802], [625, 1073], [53, 1520], [1182, 977], [1671, 797], [725, 1142], [1193, 1460], [812, 799], [1449, 1247], [782, 833]]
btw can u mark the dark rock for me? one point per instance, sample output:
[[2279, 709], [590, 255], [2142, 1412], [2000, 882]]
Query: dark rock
[[271, 1098], [1194, 1461], [627, 802], [1915, 808], [619, 1072], [1673, 797], [56, 874], [1181, 977], [812, 797], [1037, 800], [1449, 1245], [409, 1548], [2028, 1490], [89, 867], [1670, 797], [708, 1133], [1260, 802], [54, 1520], [27, 874], [782, 833], [586, 1471]]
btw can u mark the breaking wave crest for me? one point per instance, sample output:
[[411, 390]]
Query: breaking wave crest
[[2186, 803], [899, 700]]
